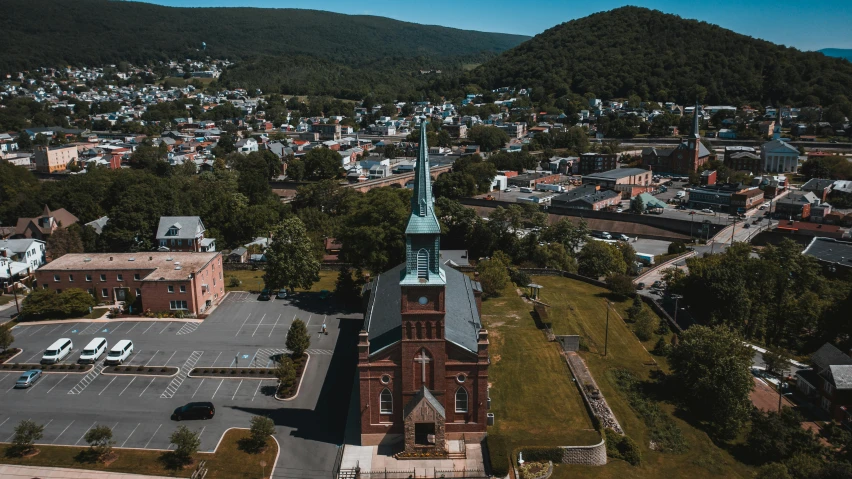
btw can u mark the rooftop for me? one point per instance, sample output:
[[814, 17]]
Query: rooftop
[[163, 266], [618, 173], [830, 250]]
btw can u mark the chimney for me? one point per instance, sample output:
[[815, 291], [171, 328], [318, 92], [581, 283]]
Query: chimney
[[110, 258]]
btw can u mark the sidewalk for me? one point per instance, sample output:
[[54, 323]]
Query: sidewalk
[[29, 472]]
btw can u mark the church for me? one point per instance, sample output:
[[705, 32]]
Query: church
[[423, 352], [689, 156]]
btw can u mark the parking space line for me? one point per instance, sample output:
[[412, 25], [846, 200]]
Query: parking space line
[[217, 358], [273, 326], [170, 358], [131, 358], [309, 319], [87, 379], [241, 327], [116, 328], [146, 387], [134, 326], [214, 392], [72, 328], [36, 384], [178, 380], [33, 357], [256, 390], [84, 434], [258, 325], [37, 330], [152, 436], [128, 385], [238, 388], [4, 422], [200, 433], [13, 434], [167, 327], [54, 329], [131, 433], [45, 426], [108, 385], [63, 432], [234, 361], [196, 389], [152, 358], [149, 327], [57, 384]]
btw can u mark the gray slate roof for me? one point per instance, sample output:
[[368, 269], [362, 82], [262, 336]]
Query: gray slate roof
[[842, 376], [383, 319], [830, 250], [424, 393], [817, 184], [98, 224], [188, 227], [829, 355], [617, 173]]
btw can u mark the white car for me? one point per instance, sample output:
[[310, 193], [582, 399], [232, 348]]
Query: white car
[[707, 210], [619, 209], [623, 237]]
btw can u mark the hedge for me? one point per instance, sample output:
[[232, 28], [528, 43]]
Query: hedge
[[622, 447], [542, 454], [497, 451]]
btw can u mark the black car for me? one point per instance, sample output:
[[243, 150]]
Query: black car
[[195, 410], [264, 295]]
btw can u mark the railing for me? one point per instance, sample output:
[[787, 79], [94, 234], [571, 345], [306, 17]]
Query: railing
[[414, 473]]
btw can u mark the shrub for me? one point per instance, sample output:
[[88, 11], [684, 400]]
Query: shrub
[[27, 432], [520, 278], [100, 441], [622, 447], [634, 309], [162, 370], [663, 329], [542, 454], [233, 371], [498, 453], [620, 285], [662, 428], [661, 348], [646, 323], [677, 247], [233, 281]]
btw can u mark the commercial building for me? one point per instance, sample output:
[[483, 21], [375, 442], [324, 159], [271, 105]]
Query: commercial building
[[587, 197], [53, 159], [184, 282], [597, 163], [627, 181], [796, 205], [726, 197], [529, 180]]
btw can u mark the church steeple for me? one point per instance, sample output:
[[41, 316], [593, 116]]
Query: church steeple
[[695, 132], [776, 134], [423, 233]]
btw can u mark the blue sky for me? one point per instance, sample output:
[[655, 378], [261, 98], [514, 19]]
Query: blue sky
[[803, 24]]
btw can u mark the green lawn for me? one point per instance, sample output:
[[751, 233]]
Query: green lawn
[[253, 280], [579, 308], [532, 395], [227, 462], [6, 298]]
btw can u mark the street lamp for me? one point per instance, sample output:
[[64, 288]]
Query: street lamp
[[676, 298]]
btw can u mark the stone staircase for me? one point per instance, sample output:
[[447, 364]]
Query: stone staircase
[[456, 449]]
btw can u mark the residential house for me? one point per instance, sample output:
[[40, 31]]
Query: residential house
[[43, 226], [98, 224], [796, 205], [53, 159], [238, 255], [183, 233], [246, 145], [19, 258], [829, 383], [819, 187], [177, 282]]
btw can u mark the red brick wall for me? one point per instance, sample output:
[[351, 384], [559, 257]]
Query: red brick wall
[[46, 278]]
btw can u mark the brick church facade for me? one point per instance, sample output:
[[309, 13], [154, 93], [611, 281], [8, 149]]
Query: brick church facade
[[687, 157], [423, 353]]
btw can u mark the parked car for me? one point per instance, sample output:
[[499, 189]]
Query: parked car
[[507, 190], [657, 285], [120, 352], [640, 286], [623, 237], [281, 294], [57, 351], [264, 295], [28, 378], [195, 410], [746, 225], [93, 350], [619, 209], [707, 210]]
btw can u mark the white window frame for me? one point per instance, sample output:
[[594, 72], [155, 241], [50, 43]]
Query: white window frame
[[136, 277], [466, 400], [183, 288], [103, 277], [386, 401], [138, 292], [119, 277], [70, 278], [170, 288], [88, 278], [55, 278], [178, 305], [105, 292]]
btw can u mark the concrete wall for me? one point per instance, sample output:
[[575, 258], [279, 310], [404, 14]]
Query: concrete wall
[[585, 455]]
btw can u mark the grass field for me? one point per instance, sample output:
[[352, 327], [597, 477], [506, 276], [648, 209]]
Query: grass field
[[227, 462], [6, 298], [580, 308], [253, 280], [532, 395]]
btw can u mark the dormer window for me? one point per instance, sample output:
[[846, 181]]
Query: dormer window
[[173, 231]]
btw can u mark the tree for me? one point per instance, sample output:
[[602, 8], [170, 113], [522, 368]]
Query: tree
[[259, 431], [27, 432], [285, 371], [489, 138], [774, 470], [646, 324], [346, 288], [677, 247], [777, 361], [373, 231], [75, 302], [776, 436], [493, 276], [712, 369], [40, 301], [637, 205], [598, 258], [554, 255], [100, 441], [6, 337], [290, 258], [322, 164], [621, 285], [298, 339], [186, 444], [24, 141], [628, 254], [566, 232]]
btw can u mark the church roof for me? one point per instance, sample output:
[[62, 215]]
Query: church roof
[[424, 393], [383, 319], [779, 146]]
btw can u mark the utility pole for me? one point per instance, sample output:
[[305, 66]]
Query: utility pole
[[676, 298], [733, 229], [15, 292], [606, 335]]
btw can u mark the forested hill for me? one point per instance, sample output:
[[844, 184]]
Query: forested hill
[[634, 50], [94, 32], [837, 53]]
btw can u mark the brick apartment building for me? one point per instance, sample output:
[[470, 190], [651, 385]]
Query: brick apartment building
[[50, 160], [597, 163], [173, 281]]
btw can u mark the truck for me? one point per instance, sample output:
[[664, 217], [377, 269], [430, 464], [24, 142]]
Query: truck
[[549, 187], [645, 258]]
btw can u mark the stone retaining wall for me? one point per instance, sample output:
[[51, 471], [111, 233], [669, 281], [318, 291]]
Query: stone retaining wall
[[585, 455]]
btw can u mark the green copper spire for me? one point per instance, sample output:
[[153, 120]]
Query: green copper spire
[[423, 233]]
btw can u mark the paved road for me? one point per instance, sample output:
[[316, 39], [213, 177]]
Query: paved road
[[240, 331]]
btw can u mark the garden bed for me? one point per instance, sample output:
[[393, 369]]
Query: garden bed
[[9, 354], [242, 373], [48, 368], [289, 390], [142, 370]]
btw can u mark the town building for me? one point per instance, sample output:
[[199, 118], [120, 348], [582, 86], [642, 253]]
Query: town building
[[778, 156], [627, 181], [19, 258], [597, 163], [190, 283], [529, 180], [587, 197], [795, 205], [720, 197], [327, 131], [53, 159], [183, 233], [743, 158], [43, 226], [829, 383], [834, 254], [423, 353], [456, 130], [819, 187], [689, 156]]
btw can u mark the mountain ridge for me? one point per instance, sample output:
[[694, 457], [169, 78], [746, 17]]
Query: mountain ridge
[[837, 53]]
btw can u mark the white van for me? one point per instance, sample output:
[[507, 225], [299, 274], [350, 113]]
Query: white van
[[94, 350], [526, 190], [120, 352], [57, 351], [680, 194]]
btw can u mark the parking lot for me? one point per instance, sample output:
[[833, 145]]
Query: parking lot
[[242, 331]]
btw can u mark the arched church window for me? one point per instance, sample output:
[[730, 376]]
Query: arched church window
[[423, 264], [461, 400], [386, 402]]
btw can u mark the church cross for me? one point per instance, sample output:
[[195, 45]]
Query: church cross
[[422, 359]]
